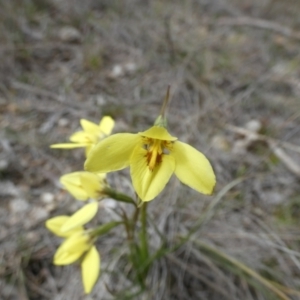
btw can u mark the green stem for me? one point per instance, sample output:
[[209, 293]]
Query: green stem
[[138, 251], [143, 234], [135, 217], [134, 250], [118, 196]]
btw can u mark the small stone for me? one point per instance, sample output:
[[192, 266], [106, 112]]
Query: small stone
[[117, 71], [69, 34], [47, 198], [63, 122], [253, 125]]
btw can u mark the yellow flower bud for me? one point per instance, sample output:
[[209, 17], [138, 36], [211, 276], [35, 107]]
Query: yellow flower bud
[[84, 185]]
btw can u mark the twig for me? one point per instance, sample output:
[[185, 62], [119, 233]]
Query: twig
[[261, 137], [259, 23], [281, 154], [273, 145]]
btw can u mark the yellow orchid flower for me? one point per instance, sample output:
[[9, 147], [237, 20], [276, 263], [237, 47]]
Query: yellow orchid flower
[[153, 156], [84, 185], [79, 244], [90, 135]]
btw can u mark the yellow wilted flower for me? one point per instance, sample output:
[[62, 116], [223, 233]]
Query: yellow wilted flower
[[84, 185], [78, 244], [153, 156], [90, 135], [65, 226]]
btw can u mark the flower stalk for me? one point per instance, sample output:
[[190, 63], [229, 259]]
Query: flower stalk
[[118, 196], [143, 233]]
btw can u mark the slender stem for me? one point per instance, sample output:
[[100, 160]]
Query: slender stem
[[135, 217], [134, 249], [118, 196], [143, 235]]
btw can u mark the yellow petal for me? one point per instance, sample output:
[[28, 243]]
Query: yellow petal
[[72, 183], [90, 269], [193, 168], [148, 184], [106, 125], [55, 224], [158, 133], [67, 146], [92, 184], [81, 217], [72, 249], [112, 154], [89, 126], [71, 178]]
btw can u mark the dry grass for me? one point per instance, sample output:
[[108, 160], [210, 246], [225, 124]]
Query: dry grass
[[228, 62]]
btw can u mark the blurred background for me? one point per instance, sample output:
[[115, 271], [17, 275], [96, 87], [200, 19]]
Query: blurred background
[[233, 67]]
